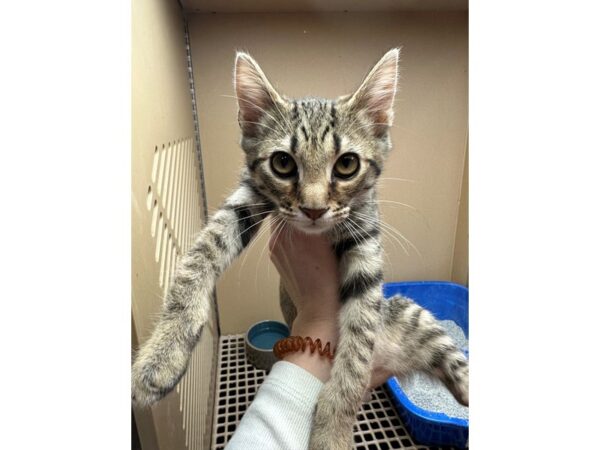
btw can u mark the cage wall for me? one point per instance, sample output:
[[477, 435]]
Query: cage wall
[[327, 54], [166, 212]]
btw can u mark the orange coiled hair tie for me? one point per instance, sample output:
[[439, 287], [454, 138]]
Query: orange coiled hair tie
[[296, 343]]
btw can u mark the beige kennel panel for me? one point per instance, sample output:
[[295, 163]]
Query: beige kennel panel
[[166, 212]]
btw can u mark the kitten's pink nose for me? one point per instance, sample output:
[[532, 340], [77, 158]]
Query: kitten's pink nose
[[314, 214]]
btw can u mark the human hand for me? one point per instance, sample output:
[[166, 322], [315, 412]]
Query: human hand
[[309, 271]]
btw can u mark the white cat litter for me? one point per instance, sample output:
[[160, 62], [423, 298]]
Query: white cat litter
[[430, 393]]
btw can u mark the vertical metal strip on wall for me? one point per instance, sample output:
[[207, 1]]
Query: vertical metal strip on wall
[[208, 372], [188, 49]]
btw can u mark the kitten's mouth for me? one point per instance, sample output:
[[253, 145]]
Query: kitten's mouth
[[316, 227], [312, 226], [309, 227]]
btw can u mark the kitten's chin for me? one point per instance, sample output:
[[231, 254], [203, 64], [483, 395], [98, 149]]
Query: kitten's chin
[[312, 228]]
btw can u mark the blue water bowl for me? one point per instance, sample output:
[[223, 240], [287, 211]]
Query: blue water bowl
[[259, 342], [446, 301]]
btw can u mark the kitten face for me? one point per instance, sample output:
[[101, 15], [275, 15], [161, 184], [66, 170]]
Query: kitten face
[[315, 158]]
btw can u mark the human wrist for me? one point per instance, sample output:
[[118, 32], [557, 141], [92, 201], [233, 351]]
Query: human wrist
[[324, 329], [322, 309], [317, 326], [315, 364]]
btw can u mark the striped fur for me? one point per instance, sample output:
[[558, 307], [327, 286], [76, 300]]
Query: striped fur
[[397, 335], [163, 359]]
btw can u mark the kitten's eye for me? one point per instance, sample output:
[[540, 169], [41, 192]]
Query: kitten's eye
[[346, 165], [283, 164]]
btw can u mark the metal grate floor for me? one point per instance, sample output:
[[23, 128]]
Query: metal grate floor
[[378, 426]]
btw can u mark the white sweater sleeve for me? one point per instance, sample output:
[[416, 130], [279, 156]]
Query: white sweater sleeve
[[280, 416]]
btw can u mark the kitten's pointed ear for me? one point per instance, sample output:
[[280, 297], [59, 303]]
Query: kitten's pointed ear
[[375, 96], [255, 95]]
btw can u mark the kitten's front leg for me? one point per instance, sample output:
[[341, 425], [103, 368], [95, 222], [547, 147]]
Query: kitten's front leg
[[163, 358], [360, 323]]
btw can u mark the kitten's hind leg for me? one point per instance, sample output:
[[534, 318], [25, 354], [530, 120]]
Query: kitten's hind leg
[[456, 378], [414, 340]]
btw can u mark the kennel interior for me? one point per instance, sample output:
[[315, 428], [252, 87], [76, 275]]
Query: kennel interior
[[186, 158]]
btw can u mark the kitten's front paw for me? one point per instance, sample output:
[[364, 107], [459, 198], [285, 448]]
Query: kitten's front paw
[[155, 373], [331, 430]]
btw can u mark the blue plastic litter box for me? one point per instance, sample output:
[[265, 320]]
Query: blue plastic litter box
[[446, 301]]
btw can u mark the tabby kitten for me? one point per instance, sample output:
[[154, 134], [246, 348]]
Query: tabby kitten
[[314, 164]]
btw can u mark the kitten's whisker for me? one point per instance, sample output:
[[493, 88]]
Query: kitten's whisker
[[408, 241], [354, 229], [245, 205], [265, 231], [235, 239], [284, 116], [405, 205], [359, 228], [384, 233], [396, 231], [281, 221], [288, 233], [254, 241], [393, 239], [247, 251], [278, 229], [212, 210], [278, 223], [396, 179], [351, 124], [350, 230], [383, 250], [383, 229], [254, 215], [255, 237], [369, 125], [396, 203], [407, 131], [261, 124]]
